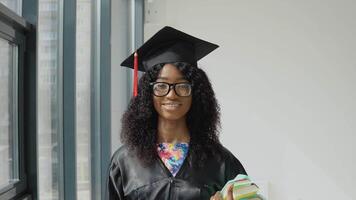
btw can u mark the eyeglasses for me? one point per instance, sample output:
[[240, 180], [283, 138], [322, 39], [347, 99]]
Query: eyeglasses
[[161, 89]]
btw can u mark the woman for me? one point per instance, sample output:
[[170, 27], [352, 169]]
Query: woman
[[170, 130]]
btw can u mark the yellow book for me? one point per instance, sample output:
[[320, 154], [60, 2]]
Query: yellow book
[[243, 188], [245, 192]]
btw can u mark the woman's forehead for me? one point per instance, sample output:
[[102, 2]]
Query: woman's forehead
[[170, 72]]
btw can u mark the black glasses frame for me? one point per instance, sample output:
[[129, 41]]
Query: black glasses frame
[[174, 88]]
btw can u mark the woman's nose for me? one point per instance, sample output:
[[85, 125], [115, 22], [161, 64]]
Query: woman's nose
[[172, 93]]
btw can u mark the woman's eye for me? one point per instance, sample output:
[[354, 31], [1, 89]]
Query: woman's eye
[[161, 86], [183, 86]]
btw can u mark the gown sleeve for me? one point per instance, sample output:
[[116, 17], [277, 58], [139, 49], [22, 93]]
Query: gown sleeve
[[115, 182], [233, 167]]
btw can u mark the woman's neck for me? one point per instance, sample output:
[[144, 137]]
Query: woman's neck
[[172, 131]]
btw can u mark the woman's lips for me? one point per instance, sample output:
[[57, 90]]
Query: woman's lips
[[171, 106]]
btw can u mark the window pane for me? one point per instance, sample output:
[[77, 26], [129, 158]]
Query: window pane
[[48, 99], [83, 111], [8, 118], [15, 5]]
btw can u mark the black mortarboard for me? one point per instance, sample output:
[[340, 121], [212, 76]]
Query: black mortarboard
[[170, 45]]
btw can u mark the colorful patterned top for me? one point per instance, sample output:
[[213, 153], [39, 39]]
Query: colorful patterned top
[[173, 155]]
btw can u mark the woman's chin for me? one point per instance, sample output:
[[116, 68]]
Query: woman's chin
[[171, 116]]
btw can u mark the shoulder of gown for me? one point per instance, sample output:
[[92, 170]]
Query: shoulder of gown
[[233, 166], [114, 183]]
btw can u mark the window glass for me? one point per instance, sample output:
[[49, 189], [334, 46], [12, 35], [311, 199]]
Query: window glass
[[83, 88], [14, 5], [8, 117], [48, 99]]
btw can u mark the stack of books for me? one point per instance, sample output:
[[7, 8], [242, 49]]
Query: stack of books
[[243, 189]]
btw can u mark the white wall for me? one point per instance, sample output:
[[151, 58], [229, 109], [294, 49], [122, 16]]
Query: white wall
[[285, 77]]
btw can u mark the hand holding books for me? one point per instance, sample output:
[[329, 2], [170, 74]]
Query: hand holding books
[[242, 188]]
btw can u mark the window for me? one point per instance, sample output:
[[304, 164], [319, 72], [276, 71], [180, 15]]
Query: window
[[83, 98], [9, 168], [50, 100], [14, 5], [13, 30]]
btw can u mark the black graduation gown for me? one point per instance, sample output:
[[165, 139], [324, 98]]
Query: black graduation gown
[[129, 179]]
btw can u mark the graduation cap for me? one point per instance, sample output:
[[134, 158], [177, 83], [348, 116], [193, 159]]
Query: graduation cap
[[168, 45]]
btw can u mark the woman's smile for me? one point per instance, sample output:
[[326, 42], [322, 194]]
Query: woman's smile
[[171, 105]]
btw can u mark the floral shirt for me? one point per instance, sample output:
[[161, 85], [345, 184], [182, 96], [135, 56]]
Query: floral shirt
[[173, 155]]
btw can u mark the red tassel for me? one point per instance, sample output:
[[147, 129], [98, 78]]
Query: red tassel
[[135, 74]]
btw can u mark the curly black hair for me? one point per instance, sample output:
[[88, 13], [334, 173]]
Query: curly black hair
[[139, 122]]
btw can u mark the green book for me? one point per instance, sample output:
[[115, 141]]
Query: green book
[[243, 189]]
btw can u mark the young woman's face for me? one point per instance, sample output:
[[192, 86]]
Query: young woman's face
[[172, 106]]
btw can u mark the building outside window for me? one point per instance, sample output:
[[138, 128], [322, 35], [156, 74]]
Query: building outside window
[[48, 99], [83, 97]]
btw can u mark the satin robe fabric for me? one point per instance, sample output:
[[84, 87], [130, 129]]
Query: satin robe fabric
[[129, 179]]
